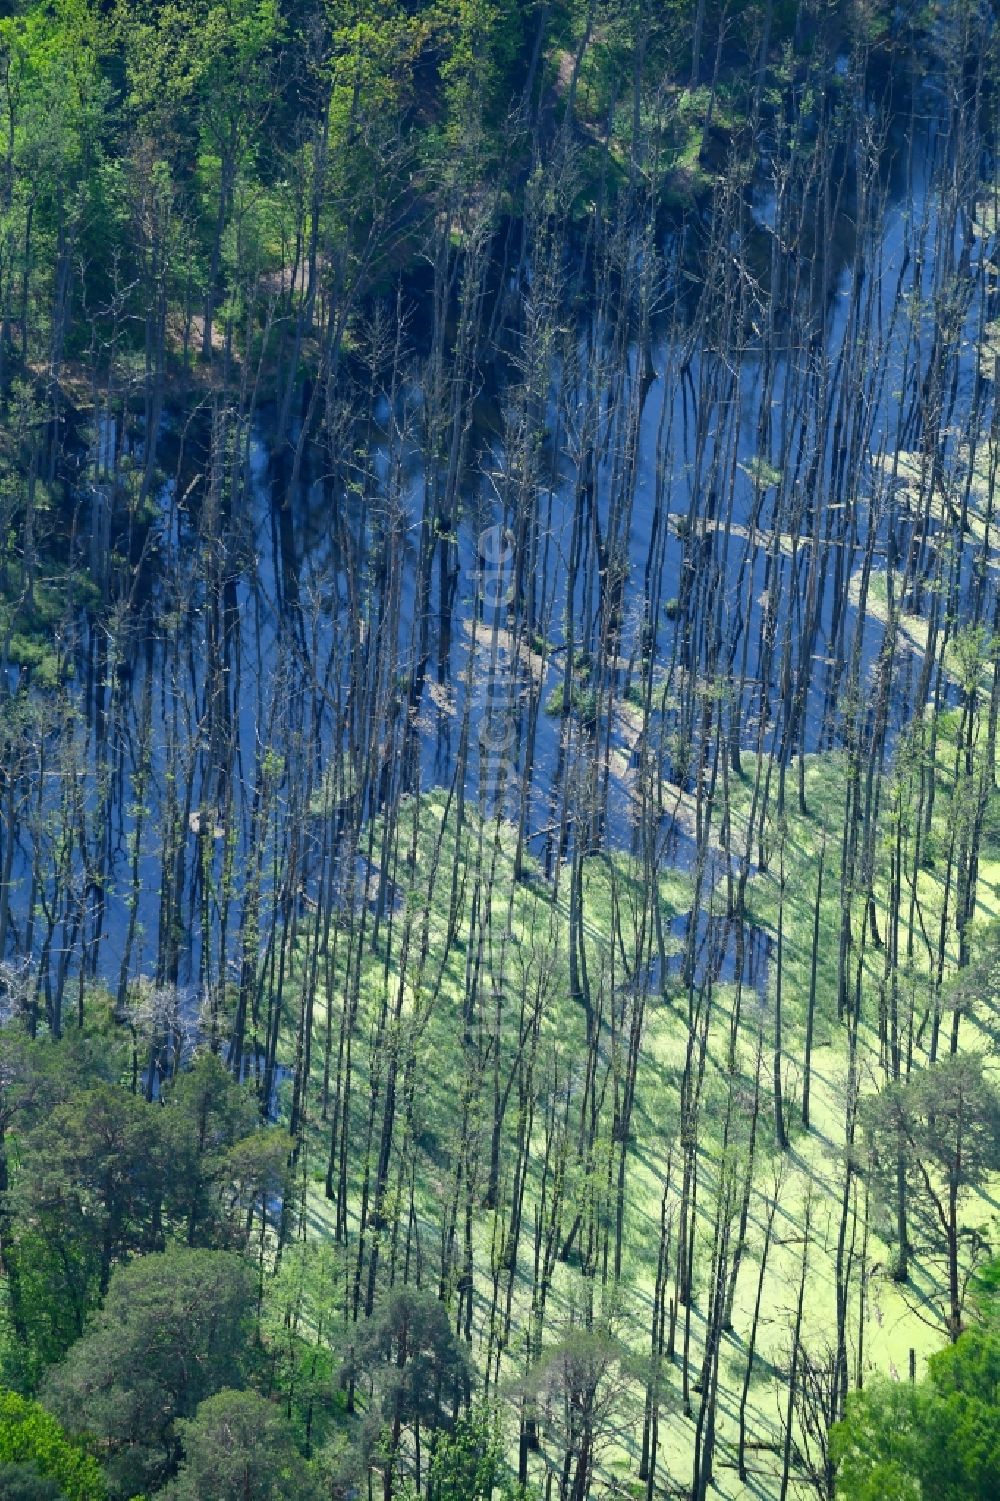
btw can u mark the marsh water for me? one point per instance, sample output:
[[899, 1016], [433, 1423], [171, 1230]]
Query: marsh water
[[698, 474]]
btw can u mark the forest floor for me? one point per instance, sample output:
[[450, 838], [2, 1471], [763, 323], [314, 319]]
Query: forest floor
[[526, 948]]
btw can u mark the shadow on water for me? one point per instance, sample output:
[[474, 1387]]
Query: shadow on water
[[252, 579]]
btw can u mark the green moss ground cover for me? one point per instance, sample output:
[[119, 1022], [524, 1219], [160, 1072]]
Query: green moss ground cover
[[524, 955]]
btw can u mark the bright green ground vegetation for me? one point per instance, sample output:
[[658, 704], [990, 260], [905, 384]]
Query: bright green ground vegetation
[[445, 1053], [533, 1294]]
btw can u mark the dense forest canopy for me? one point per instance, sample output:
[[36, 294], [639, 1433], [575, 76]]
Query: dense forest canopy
[[499, 688]]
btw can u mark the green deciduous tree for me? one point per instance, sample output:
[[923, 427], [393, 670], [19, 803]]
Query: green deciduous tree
[[469, 1463], [943, 1124], [937, 1441], [25, 1482], [415, 1370], [208, 1113], [174, 1329], [238, 1447], [237, 39], [90, 1191], [583, 1383], [34, 1452]]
